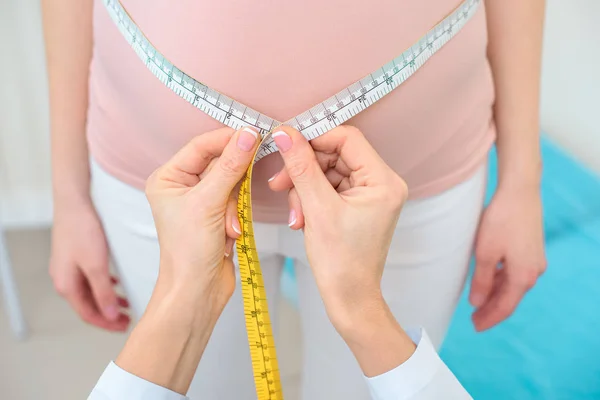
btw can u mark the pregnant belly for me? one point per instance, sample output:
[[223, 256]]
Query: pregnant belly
[[281, 58]]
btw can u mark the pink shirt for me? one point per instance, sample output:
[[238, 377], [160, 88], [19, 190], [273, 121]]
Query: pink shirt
[[281, 58]]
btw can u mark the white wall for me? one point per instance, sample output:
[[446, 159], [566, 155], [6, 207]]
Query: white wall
[[570, 99], [571, 78], [24, 157]]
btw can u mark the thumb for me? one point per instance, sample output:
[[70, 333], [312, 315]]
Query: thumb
[[231, 166], [301, 164]]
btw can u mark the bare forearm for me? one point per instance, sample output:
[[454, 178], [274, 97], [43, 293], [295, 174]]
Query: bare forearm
[[167, 344], [368, 327], [514, 50], [68, 37]]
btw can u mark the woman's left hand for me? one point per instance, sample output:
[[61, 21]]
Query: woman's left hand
[[192, 196], [194, 207], [509, 255]]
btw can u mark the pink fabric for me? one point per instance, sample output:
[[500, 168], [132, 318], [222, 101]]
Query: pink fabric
[[281, 58]]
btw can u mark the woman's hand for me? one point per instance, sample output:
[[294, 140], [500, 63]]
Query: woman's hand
[[509, 255], [192, 197], [510, 234], [348, 201], [79, 267]]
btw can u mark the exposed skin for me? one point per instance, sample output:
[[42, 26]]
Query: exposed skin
[[190, 198], [79, 257], [509, 247], [510, 243]]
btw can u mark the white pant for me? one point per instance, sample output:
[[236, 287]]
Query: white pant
[[424, 276]]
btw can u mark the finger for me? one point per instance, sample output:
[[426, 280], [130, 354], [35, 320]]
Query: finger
[[486, 268], [327, 161], [189, 162], [231, 166], [302, 167], [82, 301], [208, 168], [500, 305], [280, 181], [355, 154], [524, 274], [481, 311], [232, 221], [482, 283], [338, 181], [103, 292], [229, 246], [123, 302], [93, 317], [296, 217]]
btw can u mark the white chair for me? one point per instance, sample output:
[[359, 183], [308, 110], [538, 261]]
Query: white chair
[[11, 292]]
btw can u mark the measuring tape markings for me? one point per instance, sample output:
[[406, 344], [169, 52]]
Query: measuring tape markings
[[320, 118], [312, 123], [256, 308]]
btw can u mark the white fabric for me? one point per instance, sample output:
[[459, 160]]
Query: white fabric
[[422, 377], [118, 384], [424, 276]]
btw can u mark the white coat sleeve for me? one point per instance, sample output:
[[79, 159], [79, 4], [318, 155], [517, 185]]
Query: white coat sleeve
[[424, 376]]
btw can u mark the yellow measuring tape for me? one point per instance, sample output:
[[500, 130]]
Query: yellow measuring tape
[[256, 309]]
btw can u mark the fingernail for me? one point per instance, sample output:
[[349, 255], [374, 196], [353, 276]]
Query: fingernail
[[283, 141], [246, 139], [292, 219], [477, 300], [235, 224], [274, 176], [112, 312]]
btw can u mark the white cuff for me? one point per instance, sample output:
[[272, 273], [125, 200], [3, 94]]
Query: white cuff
[[118, 384], [410, 377]]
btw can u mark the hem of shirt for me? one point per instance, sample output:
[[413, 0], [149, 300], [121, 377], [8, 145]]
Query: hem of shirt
[[279, 216], [458, 176]]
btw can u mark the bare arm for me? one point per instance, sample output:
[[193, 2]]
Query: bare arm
[[515, 52], [79, 259], [511, 231], [68, 37]]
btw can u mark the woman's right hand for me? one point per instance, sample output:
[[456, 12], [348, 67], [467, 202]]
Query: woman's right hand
[[348, 201], [79, 267]]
